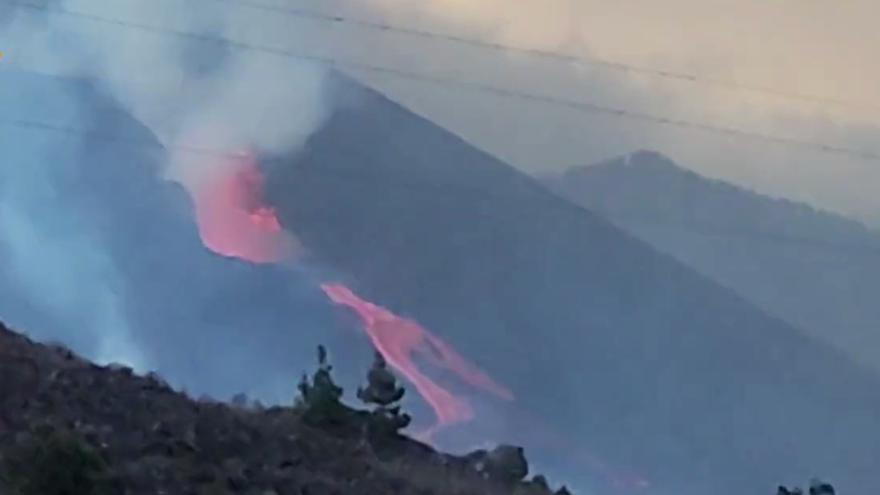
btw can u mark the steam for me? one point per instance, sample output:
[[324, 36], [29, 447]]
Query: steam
[[213, 107], [195, 92], [167, 63], [69, 275], [202, 99]]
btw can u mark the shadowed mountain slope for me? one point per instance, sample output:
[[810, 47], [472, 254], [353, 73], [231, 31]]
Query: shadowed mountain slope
[[627, 351], [816, 270]]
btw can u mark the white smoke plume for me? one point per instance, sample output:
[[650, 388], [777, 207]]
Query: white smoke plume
[[182, 79], [166, 64]]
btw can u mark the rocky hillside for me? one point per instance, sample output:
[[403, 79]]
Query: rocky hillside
[[136, 435]]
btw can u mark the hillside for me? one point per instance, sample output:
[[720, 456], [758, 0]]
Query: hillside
[[153, 439], [631, 354], [625, 365], [813, 269]]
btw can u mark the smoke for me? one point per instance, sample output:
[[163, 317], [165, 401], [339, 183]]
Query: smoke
[[57, 261], [167, 63], [79, 215], [139, 260], [195, 91]]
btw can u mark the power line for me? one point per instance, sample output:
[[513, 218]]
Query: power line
[[567, 58], [576, 105], [114, 138], [365, 180]]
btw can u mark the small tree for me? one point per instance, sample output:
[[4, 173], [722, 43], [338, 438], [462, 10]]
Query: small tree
[[817, 487], [320, 398], [383, 392]]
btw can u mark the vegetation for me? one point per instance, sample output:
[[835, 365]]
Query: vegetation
[[155, 440], [55, 462], [817, 487], [320, 397], [384, 394]]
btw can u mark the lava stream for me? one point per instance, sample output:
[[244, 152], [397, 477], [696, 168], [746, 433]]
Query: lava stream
[[232, 219], [399, 338]]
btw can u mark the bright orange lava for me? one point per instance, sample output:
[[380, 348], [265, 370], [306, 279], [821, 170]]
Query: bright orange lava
[[232, 219], [398, 339]]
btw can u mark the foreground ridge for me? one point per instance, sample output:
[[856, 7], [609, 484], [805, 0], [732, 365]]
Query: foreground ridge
[[70, 426]]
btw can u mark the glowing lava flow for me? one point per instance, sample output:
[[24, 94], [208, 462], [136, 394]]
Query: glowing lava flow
[[232, 219], [398, 339]]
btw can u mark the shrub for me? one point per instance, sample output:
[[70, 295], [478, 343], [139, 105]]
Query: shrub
[[51, 462]]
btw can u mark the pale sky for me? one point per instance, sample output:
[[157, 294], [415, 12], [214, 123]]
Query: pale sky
[[812, 47], [816, 47]]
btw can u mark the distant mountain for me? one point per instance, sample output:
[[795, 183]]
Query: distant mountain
[[817, 270], [627, 351]]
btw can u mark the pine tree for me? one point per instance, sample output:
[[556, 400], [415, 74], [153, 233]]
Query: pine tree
[[383, 393], [819, 487], [320, 398]]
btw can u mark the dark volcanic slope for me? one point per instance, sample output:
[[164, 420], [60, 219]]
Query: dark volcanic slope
[[819, 271], [628, 351]]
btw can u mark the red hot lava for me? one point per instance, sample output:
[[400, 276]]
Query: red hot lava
[[398, 339], [232, 219]]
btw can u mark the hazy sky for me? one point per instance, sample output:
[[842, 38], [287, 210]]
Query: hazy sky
[[807, 47], [825, 48]]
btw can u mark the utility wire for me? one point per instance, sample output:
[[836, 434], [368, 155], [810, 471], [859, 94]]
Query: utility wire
[[363, 179], [566, 58], [575, 105], [114, 138]]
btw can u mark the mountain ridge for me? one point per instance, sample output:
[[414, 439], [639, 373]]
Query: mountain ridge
[[812, 268], [647, 164], [666, 358]]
